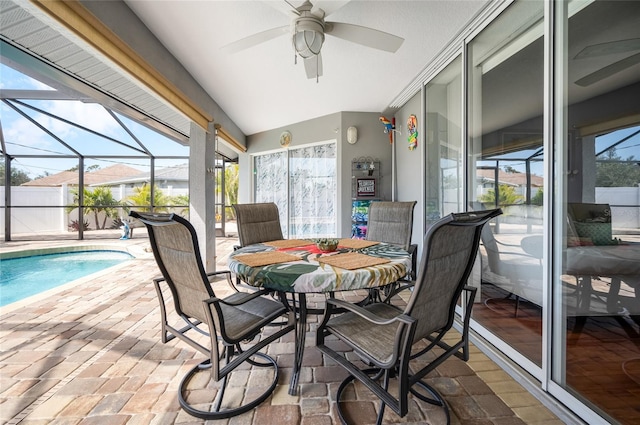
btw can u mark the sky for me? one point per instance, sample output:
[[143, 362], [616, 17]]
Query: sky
[[22, 137]]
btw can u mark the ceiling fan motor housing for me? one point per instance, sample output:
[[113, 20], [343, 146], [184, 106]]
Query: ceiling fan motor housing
[[308, 36]]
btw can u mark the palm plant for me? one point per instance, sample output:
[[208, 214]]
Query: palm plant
[[97, 200], [141, 199]]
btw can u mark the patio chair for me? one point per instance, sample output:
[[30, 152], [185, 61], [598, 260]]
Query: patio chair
[[257, 223], [214, 326], [383, 335], [392, 222], [511, 269]]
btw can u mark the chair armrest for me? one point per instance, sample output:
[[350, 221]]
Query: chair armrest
[[227, 272], [507, 244], [367, 315], [240, 297]]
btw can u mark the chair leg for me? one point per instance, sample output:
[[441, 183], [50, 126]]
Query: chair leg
[[378, 373], [217, 411], [435, 399]]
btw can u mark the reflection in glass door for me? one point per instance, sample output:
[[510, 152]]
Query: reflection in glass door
[[505, 119], [443, 151], [597, 285]]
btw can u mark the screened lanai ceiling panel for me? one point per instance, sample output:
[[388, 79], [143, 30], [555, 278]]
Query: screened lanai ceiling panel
[[22, 137], [92, 116], [84, 142], [154, 142], [623, 144], [24, 25]]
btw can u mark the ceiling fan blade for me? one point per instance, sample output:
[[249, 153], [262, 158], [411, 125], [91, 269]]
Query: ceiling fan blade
[[283, 6], [313, 66], [365, 36], [329, 6], [255, 39], [609, 48], [609, 70]]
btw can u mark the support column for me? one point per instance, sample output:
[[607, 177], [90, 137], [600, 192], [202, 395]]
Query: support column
[[202, 186]]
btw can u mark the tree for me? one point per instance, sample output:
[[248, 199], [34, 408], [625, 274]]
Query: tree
[[614, 171], [538, 198], [508, 196], [96, 201], [18, 176], [231, 186], [142, 198], [181, 201], [89, 169]]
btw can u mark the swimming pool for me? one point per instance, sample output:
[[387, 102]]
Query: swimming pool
[[25, 276]]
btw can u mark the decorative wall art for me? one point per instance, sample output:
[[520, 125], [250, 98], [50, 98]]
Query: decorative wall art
[[388, 127], [412, 127], [366, 187]]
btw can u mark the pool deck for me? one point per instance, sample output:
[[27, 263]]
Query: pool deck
[[90, 353]]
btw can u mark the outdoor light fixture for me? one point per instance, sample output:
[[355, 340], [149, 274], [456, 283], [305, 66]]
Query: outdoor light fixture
[[352, 135], [308, 37]]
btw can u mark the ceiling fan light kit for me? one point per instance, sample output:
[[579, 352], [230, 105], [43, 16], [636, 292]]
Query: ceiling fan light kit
[[308, 37]]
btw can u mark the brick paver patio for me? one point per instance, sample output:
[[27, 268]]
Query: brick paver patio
[[90, 353]]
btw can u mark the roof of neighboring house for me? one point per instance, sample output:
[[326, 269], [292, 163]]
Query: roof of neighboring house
[[175, 173], [514, 179], [97, 177]]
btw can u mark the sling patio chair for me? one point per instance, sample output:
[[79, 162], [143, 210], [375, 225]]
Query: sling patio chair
[[257, 223], [227, 330], [398, 344], [392, 223]]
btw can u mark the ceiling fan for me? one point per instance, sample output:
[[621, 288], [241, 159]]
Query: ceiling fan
[[308, 29]]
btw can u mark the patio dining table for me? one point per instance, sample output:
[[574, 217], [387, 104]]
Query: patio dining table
[[297, 267]]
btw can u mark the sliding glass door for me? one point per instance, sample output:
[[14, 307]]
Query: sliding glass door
[[506, 87], [596, 285], [302, 181]]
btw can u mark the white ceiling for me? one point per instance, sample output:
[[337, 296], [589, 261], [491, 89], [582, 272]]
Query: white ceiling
[[261, 89]]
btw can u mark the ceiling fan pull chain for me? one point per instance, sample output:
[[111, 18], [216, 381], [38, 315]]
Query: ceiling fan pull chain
[[317, 70]]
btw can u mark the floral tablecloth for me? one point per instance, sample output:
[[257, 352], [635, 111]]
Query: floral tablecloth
[[308, 275]]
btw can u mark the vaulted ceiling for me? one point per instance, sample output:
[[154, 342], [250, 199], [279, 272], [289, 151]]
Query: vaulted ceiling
[[261, 87]]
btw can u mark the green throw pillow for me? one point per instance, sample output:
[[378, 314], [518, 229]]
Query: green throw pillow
[[599, 233]]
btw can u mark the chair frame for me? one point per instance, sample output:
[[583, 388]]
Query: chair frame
[[223, 361], [406, 329]]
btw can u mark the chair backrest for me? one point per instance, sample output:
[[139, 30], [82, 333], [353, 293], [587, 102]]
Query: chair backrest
[[449, 251], [589, 224], [175, 248], [391, 222], [258, 223]]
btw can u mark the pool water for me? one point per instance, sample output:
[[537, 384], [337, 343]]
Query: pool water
[[26, 276]]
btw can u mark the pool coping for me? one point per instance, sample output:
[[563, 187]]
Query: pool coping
[[136, 251]]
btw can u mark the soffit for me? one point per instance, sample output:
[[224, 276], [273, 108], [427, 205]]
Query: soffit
[[29, 29]]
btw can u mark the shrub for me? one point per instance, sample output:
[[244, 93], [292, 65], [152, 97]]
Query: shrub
[[74, 226]]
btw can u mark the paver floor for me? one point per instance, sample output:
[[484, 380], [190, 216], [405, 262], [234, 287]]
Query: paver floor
[[91, 353]]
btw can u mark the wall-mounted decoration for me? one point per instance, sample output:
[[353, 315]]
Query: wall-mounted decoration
[[412, 127], [285, 139], [366, 187], [388, 127]]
